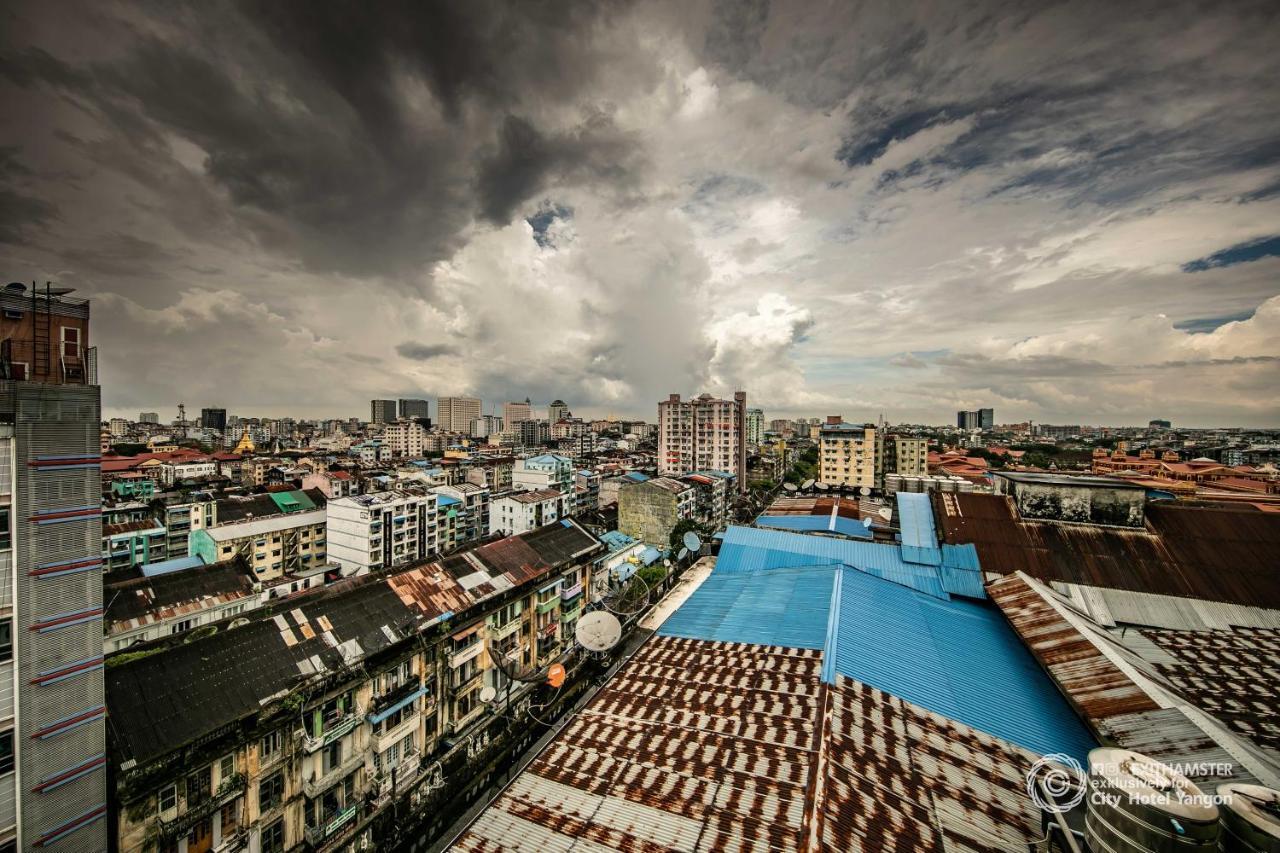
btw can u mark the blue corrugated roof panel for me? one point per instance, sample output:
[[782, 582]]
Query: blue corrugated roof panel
[[919, 538], [177, 564], [960, 571], [616, 540], [956, 658], [786, 607], [650, 555], [636, 475]]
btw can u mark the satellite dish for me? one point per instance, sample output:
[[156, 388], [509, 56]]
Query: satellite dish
[[556, 675], [808, 484], [692, 542], [864, 491], [822, 487], [598, 631], [790, 487], [684, 552], [488, 694], [866, 522], [885, 512]]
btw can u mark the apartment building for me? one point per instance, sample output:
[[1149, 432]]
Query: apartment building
[[649, 510], [348, 718], [847, 454], [418, 409], [513, 413], [557, 411], [332, 484], [185, 595], [290, 542], [455, 414], [382, 411], [545, 471], [52, 729], [755, 426], [899, 454], [408, 439], [703, 434], [520, 512], [473, 508], [383, 529]]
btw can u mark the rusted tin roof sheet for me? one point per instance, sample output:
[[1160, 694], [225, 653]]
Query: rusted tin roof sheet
[[704, 746], [1196, 552]]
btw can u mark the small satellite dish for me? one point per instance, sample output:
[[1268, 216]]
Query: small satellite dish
[[692, 542], [808, 484], [598, 631], [885, 512], [684, 552], [822, 487], [790, 487], [864, 491], [866, 522], [555, 675], [488, 694]]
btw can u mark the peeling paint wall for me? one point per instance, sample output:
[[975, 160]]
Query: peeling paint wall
[[1081, 504]]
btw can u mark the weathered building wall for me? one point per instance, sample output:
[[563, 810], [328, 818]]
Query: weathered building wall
[[1081, 504]]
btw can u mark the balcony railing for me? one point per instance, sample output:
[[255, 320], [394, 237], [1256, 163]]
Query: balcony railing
[[231, 787], [318, 783], [317, 834], [549, 605], [471, 652], [334, 730], [503, 631]]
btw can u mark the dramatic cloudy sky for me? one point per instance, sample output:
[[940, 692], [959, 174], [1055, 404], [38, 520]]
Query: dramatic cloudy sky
[[1067, 211]]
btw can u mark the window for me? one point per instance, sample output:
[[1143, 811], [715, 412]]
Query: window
[[6, 639], [226, 768], [6, 537], [271, 745], [168, 798], [183, 625], [271, 791], [200, 785], [273, 838], [70, 342]]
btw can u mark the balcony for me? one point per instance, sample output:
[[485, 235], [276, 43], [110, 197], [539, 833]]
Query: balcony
[[318, 783], [316, 835], [461, 683], [471, 652], [569, 593], [395, 735], [549, 605], [571, 614], [501, 632], [333, 729], [230, 789]]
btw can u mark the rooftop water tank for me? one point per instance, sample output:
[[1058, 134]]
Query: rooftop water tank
[[1138, 805], [1250, 818]]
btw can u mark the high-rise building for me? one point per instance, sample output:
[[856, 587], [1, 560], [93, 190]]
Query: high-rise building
[[703, 434], [418, 409], [986, 419], [557, 411], [755, 426], [214, 419], [847, 454], [52, 713], [455, 414], [513, 413], [148, 417], [485, 426], [981, 419], [382, 411]]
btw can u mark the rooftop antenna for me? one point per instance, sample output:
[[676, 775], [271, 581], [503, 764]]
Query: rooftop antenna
[[598, 631], [182, 413]]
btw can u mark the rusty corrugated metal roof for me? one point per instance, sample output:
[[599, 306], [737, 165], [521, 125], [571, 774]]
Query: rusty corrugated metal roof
[[701, 745]]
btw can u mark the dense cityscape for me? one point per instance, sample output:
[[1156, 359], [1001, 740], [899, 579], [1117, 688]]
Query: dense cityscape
[[639, 426]]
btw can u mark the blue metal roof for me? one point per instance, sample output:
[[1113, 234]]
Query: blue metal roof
[[960, 572], [177, 564], [446, 500], [817, 523], [957, 658], [785, 607], [636, 475], [650, 555], [616, 540], [919, 538]]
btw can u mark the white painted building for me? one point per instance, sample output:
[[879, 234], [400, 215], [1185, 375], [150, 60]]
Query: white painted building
[[545, 471], [406, 438], [383, 529], [524, 511]]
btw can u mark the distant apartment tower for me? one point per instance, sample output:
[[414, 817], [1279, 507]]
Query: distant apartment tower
[[52, 714], [900, 454], [485, 426], [455, 414], [986, 419], [1160, 423], [755, 426], [407, 438], [382, 411], [418, 409], [148, 417], [381, 530], [513, 413], [847, 454], [557, 411], [214, 419], [703, 434]]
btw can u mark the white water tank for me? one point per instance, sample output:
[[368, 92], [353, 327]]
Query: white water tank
[[1250, 818], [1138, 805]]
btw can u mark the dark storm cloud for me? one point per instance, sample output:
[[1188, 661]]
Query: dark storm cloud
[[301, 111], [1204, 325], [1243, 253], [425, 352], [21, 215]]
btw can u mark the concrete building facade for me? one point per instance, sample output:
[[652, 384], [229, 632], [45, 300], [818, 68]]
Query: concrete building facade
[[847, 454], [703, 434], [382, 530], [455, 414], [520, 512]]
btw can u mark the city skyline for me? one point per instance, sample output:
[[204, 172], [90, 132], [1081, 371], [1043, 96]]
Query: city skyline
[[1067, 213]]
